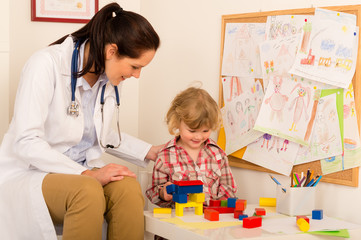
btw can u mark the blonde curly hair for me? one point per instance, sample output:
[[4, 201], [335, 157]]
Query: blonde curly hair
[[196, 108]]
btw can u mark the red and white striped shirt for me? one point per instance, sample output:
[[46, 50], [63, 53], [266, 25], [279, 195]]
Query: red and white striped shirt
[[175, 164]]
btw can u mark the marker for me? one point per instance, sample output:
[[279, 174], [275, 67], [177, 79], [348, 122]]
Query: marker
[[310, 183], [295, 179], [307, 178], [303, 179], [311, 174], [314, 185], [277, 182], [298, 179]]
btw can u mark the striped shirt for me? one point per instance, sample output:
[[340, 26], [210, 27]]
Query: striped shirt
[[175, 164]]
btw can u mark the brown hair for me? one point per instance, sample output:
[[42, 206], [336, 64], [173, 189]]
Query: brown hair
[[131, 32], [196, 108]]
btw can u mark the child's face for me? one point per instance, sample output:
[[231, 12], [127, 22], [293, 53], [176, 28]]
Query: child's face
[[193, 138]]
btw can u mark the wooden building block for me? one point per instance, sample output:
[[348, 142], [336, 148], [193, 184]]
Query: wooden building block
[[197, 197], [211, 215], [267, 202], [162, 210], [252, 222]]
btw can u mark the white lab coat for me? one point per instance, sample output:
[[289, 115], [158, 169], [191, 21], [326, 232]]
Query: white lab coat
[[40, 131]]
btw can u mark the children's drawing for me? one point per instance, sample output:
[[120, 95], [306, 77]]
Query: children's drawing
[[277, 57], [294, 109], [273, 153], [299, 104], [232, 88], [326, 139], [351, 156], [266, 138], [241, 52], [277, 100], [328, 49], [285, 25], [239, 114], [291, 98]]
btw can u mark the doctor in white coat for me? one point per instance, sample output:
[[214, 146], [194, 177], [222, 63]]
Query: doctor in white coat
[[50, 166]]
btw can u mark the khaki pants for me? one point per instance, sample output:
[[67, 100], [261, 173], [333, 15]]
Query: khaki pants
[[80, 203]]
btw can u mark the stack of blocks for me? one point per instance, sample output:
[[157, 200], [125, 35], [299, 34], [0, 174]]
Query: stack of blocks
[[190, 194], [180, 191]]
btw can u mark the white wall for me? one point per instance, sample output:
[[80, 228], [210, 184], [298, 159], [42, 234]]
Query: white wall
[[190, 32], [4, 67]]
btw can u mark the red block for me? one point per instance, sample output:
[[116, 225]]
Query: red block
[[188, 183], [241, 204], [222, 209], [214, 203], [304, 217], [252, 222], [211, 215], [237, 213], [260, 211]]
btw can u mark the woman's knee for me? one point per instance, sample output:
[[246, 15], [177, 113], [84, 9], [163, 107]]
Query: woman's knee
[[89, 192], [127, 191], [67, 194]]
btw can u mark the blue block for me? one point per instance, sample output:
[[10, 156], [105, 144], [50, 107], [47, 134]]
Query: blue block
[[317, 214], [231, 202], [188, 189], [180, 198], [171, 189], [240, 217]]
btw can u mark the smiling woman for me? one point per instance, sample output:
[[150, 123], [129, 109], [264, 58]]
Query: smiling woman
[[55, 157]]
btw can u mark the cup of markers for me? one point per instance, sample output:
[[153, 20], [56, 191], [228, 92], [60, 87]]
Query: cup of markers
[[299, 198]]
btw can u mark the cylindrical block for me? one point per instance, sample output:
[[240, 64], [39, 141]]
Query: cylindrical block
[[303, 225]]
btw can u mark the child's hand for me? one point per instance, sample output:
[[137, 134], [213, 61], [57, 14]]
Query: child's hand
[[163, 192]]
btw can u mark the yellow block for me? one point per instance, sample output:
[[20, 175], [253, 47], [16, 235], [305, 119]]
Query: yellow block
[[303, 225], [267, 202], [179, 208], [197, 197], [162, 210]]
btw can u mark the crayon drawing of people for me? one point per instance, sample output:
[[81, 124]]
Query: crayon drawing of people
[[241, 117], [266, 138], [299, 104]]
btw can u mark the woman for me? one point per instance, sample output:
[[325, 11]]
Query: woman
[[50, 171]]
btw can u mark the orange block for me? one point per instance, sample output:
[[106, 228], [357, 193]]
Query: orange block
[[241, 205], [211, 215]]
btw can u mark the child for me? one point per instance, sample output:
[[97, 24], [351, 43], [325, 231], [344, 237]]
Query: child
[[192, 155]]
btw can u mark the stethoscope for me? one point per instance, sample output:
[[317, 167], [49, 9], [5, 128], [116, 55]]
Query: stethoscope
[[73, 109]]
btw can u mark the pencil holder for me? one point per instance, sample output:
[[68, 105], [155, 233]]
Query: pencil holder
[[296, 200]]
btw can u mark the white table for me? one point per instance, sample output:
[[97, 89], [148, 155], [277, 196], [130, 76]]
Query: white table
[[171, 231]]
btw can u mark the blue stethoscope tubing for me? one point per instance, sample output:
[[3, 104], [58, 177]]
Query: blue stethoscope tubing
[[73, 109]]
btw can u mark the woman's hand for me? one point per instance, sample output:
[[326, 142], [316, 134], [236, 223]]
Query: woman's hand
[[109, 173], [153, 152], [163, 192]]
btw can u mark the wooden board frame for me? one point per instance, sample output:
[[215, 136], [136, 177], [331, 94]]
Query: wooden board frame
[[347, 177]]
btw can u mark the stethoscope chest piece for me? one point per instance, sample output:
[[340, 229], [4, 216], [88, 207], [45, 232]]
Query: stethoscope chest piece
[[73, 109]]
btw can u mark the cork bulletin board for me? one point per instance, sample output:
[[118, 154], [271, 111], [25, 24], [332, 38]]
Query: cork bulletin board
[[347, 177]]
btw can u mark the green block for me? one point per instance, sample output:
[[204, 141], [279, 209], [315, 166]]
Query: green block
[[223, 203]]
